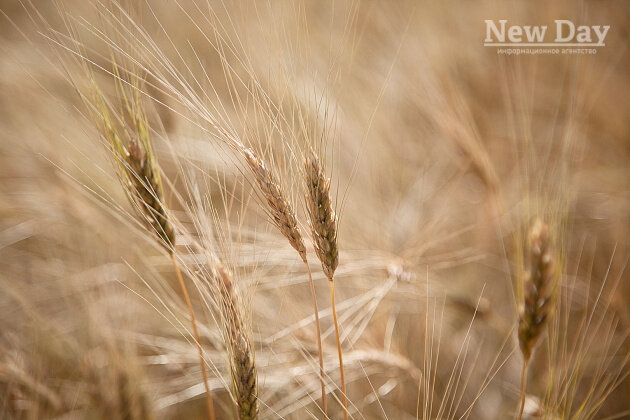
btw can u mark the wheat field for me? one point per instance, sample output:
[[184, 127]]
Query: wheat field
[[294, 210]]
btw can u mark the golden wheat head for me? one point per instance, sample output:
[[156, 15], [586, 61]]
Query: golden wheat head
[[280, 208], [323, 219], [130, 143]]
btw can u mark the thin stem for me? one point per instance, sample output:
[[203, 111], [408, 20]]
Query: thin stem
[[319, 340], [202, 362], [523, 389], [339, 352]]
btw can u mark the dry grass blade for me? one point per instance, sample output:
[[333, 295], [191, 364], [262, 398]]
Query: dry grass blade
[[537, 300], [323, 222]]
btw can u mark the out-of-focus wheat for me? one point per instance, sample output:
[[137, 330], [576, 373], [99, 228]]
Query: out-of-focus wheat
[[242, 360], [537, 301]]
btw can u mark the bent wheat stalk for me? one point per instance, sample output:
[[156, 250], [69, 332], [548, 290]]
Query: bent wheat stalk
[[140, 176], [323, 221], [537, 299], [202, 362], [284, 218]]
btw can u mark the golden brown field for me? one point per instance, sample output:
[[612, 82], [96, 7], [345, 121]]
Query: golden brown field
[[193, 193]]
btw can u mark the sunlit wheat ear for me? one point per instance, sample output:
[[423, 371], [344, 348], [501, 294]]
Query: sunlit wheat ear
[[138, 172], [323, 221], [283, 216], [280, 208], [322, 217], [537, 298], [242, 361], [140, 176], [538, 288]]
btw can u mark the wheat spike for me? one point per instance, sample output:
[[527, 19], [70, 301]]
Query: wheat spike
[[321, 214], [242, 361], [538, 287], [323, 222], [244, 377], [280, 208], [139, 171], [537, 299]]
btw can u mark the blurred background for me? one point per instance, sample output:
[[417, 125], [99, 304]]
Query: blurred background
[[441, 152]]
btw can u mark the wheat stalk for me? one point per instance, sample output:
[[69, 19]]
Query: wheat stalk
[[140, 176], [323, 221], [284, 218], [537, 299]]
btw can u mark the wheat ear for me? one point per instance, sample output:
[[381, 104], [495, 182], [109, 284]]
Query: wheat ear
[[537, 299], [284, 218], [323, 221], [242, 360], [280, 208], [140, 176]]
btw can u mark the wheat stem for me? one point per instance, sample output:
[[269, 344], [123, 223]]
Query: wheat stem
[[523, 389], [339, 352], [323, 221], [319, 340], [211, 415]]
